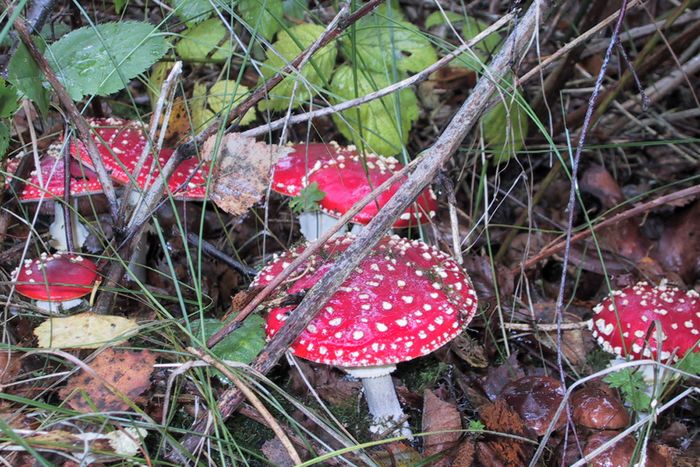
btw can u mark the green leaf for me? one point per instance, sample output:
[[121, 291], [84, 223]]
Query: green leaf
[[307, 200], [24, 74], [4, 139], [690, 363], [505, 126], [483, 50], [205, 41], [380, 41], [119, 5], [263, 16], [476, 426], [289, 44], [192, 11], [205, 106], [9, 100], [436, 18], [242, 345], [632, 386], [382, 129], [102, 59], [295, 9]]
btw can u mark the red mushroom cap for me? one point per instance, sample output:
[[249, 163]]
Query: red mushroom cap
[[292, 169], [57, 277], [347, 179], [121, 143], [638, 307], [83, 180], [405, 300]]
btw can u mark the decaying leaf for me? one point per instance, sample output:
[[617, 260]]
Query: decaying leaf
[[127, 374], [10, 365], [85, 330], [439, 415], [469, 350], [500, 418], [124, 442], [241, 172]]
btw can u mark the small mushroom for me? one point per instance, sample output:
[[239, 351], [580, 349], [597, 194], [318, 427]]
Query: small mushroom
[[621, 453], [623, 322], [403, 301], [536, 399], [56, 281], [597, 409]]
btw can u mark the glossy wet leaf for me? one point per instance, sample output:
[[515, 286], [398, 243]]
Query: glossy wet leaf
[[24, 74], [386, 123], [102, 59], [263, 16], [205, 42], [380, 41], [289, 44]]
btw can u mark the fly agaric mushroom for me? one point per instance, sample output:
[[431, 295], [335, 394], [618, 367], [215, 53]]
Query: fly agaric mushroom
[[622, 323], [56, 281], [405, 300], [347, 179], [51, 187]]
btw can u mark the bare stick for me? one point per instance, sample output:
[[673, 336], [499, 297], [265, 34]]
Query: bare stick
[[72, 111], [426, 170]]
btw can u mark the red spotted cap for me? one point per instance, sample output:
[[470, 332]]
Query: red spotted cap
[[83, 181], [121, 143], [347, 179], [57, 277], [292, 169], [638, 307], [404, 300]]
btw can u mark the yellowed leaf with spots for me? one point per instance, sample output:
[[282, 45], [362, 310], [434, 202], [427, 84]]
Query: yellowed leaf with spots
[[85, 330]]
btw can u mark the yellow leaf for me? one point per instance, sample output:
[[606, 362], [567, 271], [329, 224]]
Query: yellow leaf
[[85, 330]]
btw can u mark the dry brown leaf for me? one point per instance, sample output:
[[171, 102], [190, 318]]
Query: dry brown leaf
[[178, 124], [439, 415], [242, 170], [10, 365], [465, 454], [469, 350], [678, 248], [126, 372], [276, 453]]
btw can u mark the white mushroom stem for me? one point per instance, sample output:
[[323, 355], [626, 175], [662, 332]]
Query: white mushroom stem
[[381, 399], [315, 223], [57, 229], [56, 307]]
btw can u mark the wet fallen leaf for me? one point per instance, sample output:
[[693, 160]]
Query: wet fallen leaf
[[498, 377], [439, 415], [241, 172], [127, 374], [85, 330]]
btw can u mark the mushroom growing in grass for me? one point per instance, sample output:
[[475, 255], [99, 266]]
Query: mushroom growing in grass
[[405, 300], [51, 188], [57, 282], [646, 321]]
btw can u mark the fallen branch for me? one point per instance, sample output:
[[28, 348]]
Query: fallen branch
[[426, 170]]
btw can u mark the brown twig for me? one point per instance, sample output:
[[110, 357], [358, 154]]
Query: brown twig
[[635, 211], [71, 109], [438, 154]]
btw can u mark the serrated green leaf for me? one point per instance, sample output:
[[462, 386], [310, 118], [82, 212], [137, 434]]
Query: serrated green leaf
[[632, 386], [205, 41], [24, 74], [289, 44], [263, 16], [192, 11], [102, 59], [9, 100], [436, 18], [505, 127], [4, 139], [382, 130], [307, 200], [242, 345], [481, 51], [380, 41]]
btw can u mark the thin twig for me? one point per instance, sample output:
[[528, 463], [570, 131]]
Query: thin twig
[[214, 252], [433, 159], [74, 115]]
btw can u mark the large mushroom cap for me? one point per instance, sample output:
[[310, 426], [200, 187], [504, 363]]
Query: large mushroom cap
[[637, 308], [347, 179], [536, 399], [405, 300], [57, 277], [292, 168]]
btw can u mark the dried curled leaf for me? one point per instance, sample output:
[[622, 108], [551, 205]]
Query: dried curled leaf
[[241, 170], [126, 374], [85, 330]]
